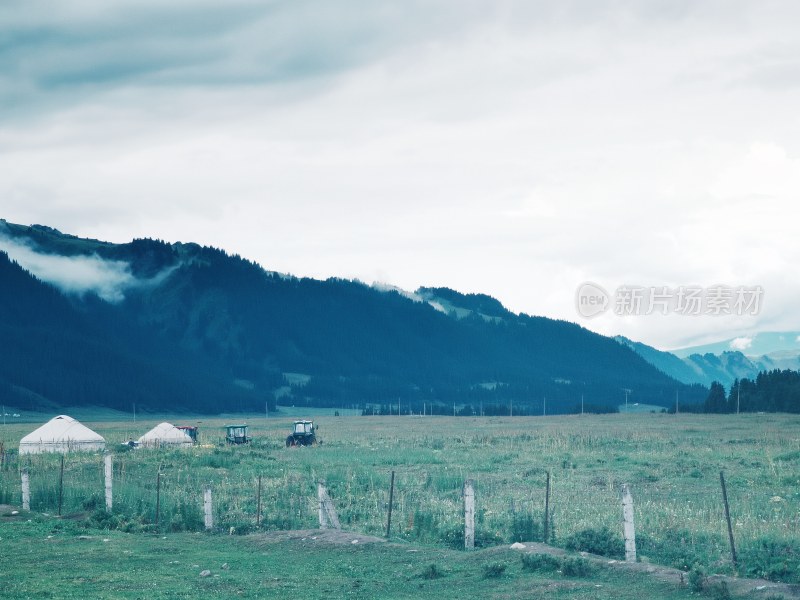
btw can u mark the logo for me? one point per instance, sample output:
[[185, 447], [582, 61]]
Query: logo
[[685, 300], [591, 300]]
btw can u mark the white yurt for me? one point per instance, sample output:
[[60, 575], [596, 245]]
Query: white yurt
[[61, 434], [164, 434]]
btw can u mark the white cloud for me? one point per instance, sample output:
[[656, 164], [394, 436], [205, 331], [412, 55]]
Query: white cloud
[[764, 173], [511, 148], [80, 274], [741, 343]]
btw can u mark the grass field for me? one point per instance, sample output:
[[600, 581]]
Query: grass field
[[46, 558], [672, 464]]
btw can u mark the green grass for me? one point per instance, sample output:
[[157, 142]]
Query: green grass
[[50, 558], [671, 462]]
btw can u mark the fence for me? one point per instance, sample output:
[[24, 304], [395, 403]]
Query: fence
[[180, 490]]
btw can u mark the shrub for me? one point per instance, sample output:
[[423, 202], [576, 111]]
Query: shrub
[[597, 541], [93, 502], [675, 548], [186, 516], [524, 528], [697, 578], [540, 563], [776, 560], [576, 567], [720, 591]]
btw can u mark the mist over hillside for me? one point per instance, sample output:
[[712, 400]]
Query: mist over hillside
[[183, 326]]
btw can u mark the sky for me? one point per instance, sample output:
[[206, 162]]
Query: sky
[[518, 149]]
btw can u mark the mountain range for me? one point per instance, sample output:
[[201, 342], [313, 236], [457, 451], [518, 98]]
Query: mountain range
[[722, 361], [181, 326]]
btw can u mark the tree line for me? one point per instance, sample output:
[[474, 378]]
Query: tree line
[[771, 391]]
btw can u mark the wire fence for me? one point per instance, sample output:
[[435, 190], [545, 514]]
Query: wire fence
[[678, 521]]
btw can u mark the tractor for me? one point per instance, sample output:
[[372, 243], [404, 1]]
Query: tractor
[[236, 434], [190, 431], [303, 434]]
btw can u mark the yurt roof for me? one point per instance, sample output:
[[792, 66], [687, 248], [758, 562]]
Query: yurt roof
[[62, 428], [165, 432]]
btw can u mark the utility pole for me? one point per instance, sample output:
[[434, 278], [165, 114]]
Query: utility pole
[[581, 403], [676, 402], [544, 406], [738, 393]]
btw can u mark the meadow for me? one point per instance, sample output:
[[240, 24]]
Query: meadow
[[671, 463]]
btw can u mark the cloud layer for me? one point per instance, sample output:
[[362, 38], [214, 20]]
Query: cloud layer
[[80, 274], [73, 274], [512, 148]]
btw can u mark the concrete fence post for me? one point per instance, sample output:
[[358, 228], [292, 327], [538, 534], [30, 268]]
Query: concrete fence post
[[327, 512], [109, 474], [208, 512], [26, 490], [469, 514], [628, 528]]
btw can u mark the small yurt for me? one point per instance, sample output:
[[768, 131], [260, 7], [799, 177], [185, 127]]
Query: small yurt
[[164, 434], [61, 434]]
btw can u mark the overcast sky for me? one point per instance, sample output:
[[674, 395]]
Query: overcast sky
[[513, 148]]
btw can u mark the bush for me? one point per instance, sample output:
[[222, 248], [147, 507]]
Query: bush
[[720, 591], [540, 563], [186, 516], [597, 541], [93, 502], [102, 519], [576, 567], [674, 548], [524, 528], [776, 560], [569, 566], [697, 578]]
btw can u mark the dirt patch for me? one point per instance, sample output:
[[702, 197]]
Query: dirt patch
[[311, 537], [7, 509], [752, 588]]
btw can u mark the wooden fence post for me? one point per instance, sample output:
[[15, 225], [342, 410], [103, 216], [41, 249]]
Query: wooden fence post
[[547, 510], [327, 513], [628, 528], [728, 519], [469, 514], [391, 500], [109, 474], [26, 490], [208, 512]]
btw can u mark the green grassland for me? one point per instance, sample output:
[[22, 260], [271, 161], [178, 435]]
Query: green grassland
[[671, 463], [46, 558]]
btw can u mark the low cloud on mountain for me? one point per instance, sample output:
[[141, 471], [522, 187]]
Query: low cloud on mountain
[[79, 274]]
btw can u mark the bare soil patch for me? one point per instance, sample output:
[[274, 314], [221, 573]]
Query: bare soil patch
[[311, 537], [752, 588]]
